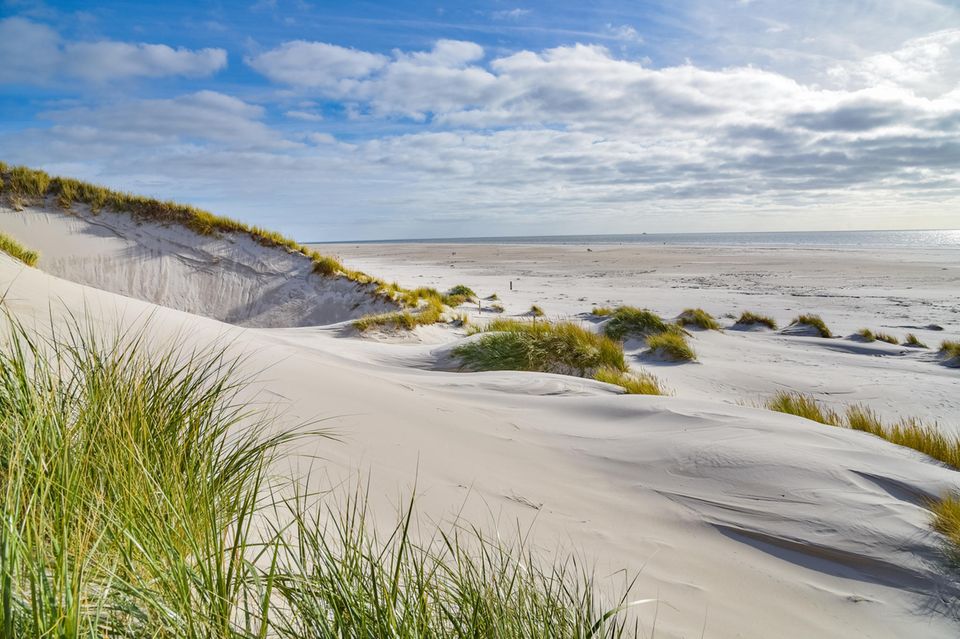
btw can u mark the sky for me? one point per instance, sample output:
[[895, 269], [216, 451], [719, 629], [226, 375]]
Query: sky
[[383, 120]]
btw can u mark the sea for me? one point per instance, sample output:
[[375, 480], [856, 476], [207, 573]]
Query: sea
[[939, 239]]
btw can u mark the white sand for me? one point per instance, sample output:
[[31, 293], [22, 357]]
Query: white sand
[[742, 522]]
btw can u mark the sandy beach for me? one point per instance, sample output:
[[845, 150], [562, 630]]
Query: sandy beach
[[734, 520]]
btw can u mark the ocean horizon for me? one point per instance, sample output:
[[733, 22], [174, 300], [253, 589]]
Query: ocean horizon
[[943, 238]]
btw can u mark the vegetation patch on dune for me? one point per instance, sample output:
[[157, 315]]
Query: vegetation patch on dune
[[535, 311], [642, 383], [21, 185], [946, 521], [908, 432], [887, 337], [671, 346], [601, 311], [866, 335], [134, 505], [949, 351], [913, 341], [17, 250], [749, 318], [699, 318], [562, 347], [429, 313], [629, 321], [814, 321]]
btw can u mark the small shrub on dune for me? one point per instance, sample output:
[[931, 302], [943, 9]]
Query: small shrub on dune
[[748, 318], [699, 318], [536, 311], [814, 321], [913, 341], [928, 439], [628, 321], [633, 383], [887, 337], [562, 347], [17, 250], [866, 335], [671, 346]]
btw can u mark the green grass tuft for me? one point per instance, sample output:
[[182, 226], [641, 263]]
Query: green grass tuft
[[497, 308], [17, 250], [949, 349], [888, 338], [913, 341], [601, 311], [642, 383], [866, 334], [628, 321], [699, 318], [911, 433], [812, 320], [748, 318], [430, 313], [563, 347], [671, 346], [462, 291], [536, 311], [946, 521]]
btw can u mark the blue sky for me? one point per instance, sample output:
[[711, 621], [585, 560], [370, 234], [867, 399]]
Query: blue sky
[[365, 120]]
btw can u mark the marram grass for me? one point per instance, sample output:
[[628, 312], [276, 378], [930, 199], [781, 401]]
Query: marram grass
[[17, 250], [561, 347], [629, 321], [913, 341], [699, 318], [671, 346], [814, 321], [642, 383], [749, 318], [929, 439], [138, 501]]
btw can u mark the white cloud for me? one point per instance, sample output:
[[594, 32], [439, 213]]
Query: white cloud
[[315, 64], [35, 53], [510, 14]]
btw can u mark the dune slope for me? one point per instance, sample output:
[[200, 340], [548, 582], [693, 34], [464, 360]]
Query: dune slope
[[229, 277]]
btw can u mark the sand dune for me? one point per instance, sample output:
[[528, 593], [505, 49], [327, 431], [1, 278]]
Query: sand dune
[[740, 521], [233, 278]]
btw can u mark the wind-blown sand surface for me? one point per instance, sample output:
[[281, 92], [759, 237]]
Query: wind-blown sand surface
[[740, 521]]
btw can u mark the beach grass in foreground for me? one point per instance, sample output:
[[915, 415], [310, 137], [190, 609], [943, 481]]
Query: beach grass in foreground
[[139, 501]]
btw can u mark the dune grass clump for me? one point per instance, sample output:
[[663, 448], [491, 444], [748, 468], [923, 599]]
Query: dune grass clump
[[699, 318], [139, 501], [17, 250], [748, 318], [913, 341], [562, 347], [866, 335], [814, 321], [946, 521], [642, 383], [887, 337], [949, 349], [536, 311], [493, 297], [463, 291], [627, 321], [430, 313], [908, 432], [601, 311], [497, 307], [671, 346]]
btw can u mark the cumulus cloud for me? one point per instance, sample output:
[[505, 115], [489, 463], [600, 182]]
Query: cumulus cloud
[[315, 64], [35, 53]]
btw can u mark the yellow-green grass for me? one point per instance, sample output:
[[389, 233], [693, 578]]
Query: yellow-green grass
[[429, 313], [699, 318], [496, 307], [886, 337], [536, 311], [908, 432], [749, 318], [629, 321], [946, 521], [602, 311], [866, 335], [950, 349], [814, 321], [141, 499], [913, 341], [642, 383], [22, 182], [562, 347], [17, 250], [671, 346], [461, 290], [493, 297]]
